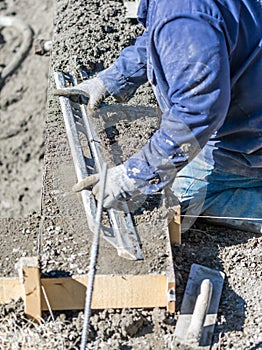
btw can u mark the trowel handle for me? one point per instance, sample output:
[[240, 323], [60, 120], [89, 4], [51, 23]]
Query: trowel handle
[[200, 311]]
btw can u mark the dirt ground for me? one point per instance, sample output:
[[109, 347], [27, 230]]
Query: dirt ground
[[88, 35], [23, 102]]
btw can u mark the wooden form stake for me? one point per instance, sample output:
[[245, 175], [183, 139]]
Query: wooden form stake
[[30, 275], [174, 226], [171, 281], [171, 293]]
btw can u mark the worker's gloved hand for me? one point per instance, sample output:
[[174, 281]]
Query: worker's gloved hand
[[118, 187], [91, 89]]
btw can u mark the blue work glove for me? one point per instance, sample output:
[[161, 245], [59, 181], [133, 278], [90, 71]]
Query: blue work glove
[[118, 187], [91, 90]]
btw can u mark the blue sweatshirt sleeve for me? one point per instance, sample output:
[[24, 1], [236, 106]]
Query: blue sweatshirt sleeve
[[128, 72], [190, 69]]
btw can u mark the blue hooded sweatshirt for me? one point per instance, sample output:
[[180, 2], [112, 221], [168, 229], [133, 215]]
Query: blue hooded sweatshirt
[[204, 61]]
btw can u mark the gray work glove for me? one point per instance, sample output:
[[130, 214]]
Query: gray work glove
[[118, 187], [91, 89]]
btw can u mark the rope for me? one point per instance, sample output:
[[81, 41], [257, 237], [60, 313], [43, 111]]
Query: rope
[[93, 258]]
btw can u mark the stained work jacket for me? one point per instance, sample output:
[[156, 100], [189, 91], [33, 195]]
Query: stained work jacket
[[204, 61]]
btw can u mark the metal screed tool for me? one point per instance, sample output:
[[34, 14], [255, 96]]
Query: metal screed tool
[[121, 232]]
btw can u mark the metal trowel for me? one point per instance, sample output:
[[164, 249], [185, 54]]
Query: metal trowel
[[196, 323]]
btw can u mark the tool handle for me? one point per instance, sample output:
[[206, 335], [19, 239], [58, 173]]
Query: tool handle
[[200, 311]]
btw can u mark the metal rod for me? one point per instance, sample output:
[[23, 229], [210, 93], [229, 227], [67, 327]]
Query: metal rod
[[47, 303], [220, 217], [93, 259], [92, 139]]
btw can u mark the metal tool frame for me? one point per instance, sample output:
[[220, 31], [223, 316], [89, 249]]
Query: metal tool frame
[[122, 233]]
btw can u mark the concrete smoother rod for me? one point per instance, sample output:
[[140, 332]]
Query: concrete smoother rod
[[93, 258]]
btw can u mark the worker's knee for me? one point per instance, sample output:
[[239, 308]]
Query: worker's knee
[[227, 199]]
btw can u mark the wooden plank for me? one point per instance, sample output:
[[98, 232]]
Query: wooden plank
[[29, 270], [109, 292], [174, 226], [142, 291], [10, 289]]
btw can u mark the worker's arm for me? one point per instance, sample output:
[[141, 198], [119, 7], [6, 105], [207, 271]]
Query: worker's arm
[[191, 59], [121, 80], [128, 72]]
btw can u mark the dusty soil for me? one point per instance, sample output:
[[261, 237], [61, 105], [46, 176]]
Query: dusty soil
[[89, 38], [23, 100]]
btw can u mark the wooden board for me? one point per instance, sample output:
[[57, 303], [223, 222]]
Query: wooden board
[[10, 289], [109, 292], [143, 291]]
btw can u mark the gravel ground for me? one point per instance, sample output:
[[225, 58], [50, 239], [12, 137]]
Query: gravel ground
[[90, 37]]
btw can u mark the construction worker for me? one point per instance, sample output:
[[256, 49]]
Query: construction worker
[[204, 61]]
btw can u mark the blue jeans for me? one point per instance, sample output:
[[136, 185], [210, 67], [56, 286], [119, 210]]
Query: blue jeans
[[205, 190]]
